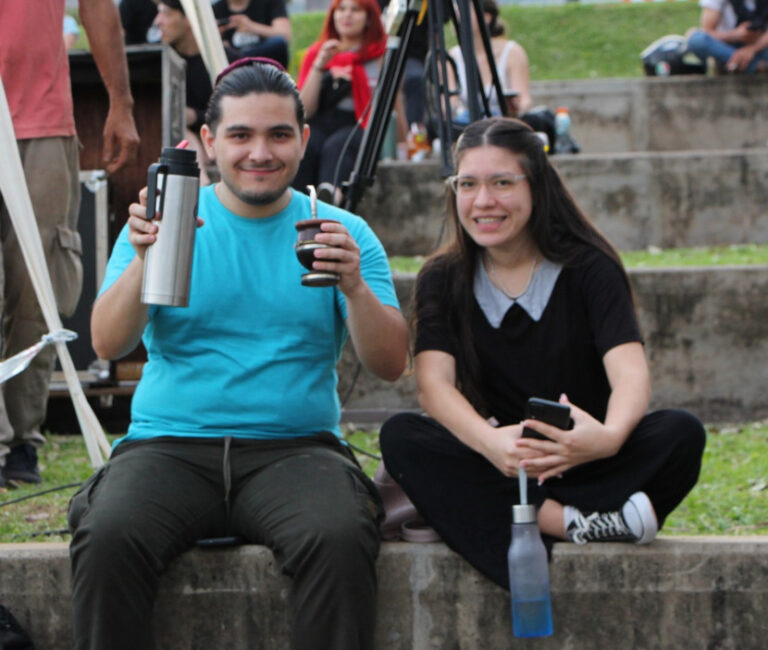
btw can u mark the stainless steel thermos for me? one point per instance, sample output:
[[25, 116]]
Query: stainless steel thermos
[[172, 187]]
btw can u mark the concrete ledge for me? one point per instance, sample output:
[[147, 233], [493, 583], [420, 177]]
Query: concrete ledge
[[662, 113], [705, 336], [707, 592], [671, 199]]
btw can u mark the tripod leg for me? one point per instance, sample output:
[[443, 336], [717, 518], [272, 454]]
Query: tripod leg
[[381, 109]]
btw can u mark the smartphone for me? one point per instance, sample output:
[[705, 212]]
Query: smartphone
[[222, 21], [554, 413]]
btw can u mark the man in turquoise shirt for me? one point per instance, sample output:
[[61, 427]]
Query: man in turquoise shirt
[[234, 426]]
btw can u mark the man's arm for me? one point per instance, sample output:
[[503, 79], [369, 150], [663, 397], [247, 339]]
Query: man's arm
[[743, 56], [710, 19], [278, 26], [378, 331], [119, 317], [101, 21]]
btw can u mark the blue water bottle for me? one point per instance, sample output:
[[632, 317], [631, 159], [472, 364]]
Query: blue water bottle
[[528, 576], [563, 141]]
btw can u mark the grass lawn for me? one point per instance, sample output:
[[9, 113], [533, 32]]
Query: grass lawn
[[725, 255], [572, 41], [731, 497]]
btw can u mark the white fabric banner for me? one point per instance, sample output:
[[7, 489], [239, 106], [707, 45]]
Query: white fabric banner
[[13, 187], [207, 35]]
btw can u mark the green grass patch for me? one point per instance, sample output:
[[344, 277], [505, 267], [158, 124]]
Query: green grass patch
[[726, 255], [572, 41], [734, 254], [731, 497]]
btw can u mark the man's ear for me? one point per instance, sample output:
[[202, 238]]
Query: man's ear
[[206, 136], [304, 139]]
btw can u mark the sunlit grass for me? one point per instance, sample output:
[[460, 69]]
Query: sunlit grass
[[734, 254], [731, 497]]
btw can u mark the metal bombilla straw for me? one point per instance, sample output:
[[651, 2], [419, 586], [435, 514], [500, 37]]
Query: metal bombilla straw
[[312, 200]]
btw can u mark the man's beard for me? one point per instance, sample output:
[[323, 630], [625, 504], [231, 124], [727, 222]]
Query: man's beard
[[256, 198]]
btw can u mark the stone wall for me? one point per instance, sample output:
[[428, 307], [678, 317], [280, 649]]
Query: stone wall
[[703, 592]]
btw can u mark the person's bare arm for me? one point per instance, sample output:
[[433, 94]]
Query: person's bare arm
[[439, 397], [589, 439], [310, 91], [742, 57], [119, 317], [710, 18], [101, 22], [378, 331], [278, 27], [518, 77]]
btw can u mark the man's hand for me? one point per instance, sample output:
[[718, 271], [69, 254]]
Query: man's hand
[[746, 34], [142, 232], [121, 140], [343, 256], [242, 23], [740, 59]]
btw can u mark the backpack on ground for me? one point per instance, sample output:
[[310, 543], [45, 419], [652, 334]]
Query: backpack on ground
[[12, 635]]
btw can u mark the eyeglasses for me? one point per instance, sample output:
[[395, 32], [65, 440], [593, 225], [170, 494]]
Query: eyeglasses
[[501, 186]]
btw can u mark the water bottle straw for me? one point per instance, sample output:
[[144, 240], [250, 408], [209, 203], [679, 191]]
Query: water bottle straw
[[522, 480]]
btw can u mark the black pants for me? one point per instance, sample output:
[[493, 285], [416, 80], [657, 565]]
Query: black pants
[[306, 499], [334, 140], [468, 501]]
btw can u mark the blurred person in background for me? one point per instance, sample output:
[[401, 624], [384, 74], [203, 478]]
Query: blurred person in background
[[732, 33], [175, 30], [255, 27], [137, 18], [336, 82], [37, 85]]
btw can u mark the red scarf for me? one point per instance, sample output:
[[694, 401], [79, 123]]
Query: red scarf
[[361, 91]]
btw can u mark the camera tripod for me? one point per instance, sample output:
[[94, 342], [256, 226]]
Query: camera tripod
[[402, 17]]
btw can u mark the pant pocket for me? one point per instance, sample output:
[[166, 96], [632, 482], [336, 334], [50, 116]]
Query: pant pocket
[[66, 268], [81, 500]]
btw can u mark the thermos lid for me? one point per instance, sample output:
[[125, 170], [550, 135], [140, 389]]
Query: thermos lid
[[180, 161], [172, 154], [524, 514]]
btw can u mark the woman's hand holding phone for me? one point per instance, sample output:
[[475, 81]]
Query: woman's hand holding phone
[[564, 449], [502, 451]]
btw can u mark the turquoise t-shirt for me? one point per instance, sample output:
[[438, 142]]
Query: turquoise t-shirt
[[254, 354]]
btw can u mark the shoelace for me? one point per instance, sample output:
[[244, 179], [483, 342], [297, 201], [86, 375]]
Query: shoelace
[[598, 526]]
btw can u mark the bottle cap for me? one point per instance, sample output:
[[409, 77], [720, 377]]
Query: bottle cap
[[524, 514]]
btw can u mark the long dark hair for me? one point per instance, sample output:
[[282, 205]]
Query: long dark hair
[[557, 225]]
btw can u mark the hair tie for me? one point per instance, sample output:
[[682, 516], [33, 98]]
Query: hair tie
[[248, 60]]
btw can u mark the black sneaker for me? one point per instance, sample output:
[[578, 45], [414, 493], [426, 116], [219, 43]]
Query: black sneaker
[[21, 465], [635, 522]]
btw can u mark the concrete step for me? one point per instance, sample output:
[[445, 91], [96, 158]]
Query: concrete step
[[705, 337], [662, 113], [665, 199], [679, 592]]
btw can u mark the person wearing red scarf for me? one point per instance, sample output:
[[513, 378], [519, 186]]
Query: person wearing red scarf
[[335, 83]]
